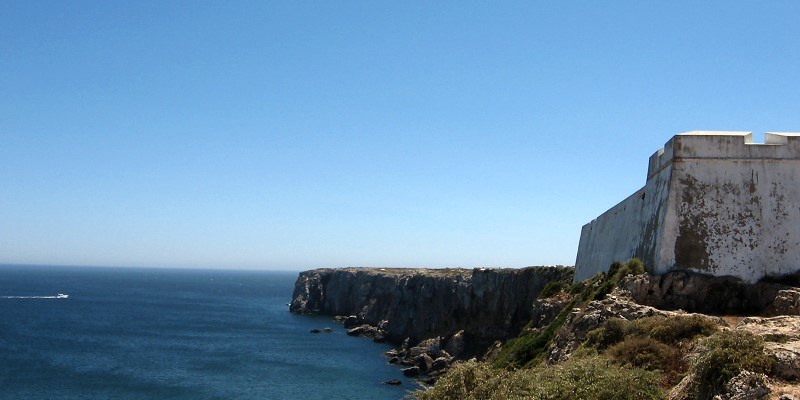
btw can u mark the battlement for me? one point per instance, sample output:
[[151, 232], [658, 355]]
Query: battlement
[[724, 145]]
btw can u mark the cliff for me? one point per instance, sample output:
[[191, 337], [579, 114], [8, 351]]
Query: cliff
[[487, 304]]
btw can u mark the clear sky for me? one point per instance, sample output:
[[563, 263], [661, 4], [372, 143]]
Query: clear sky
[[299, 134]]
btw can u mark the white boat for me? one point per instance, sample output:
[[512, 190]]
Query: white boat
[[62, 296]]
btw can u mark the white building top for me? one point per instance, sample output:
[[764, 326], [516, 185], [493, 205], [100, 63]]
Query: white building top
[[732, 145]]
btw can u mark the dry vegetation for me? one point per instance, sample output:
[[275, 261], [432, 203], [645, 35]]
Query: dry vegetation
[[621, 359]]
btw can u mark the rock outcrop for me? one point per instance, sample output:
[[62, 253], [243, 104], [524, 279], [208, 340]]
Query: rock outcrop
[[617, 305], [782, 342], [478, 306], [704, 293]]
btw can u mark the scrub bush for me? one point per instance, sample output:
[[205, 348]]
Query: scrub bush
[[675, 329], [588, 377], [725, 355], [610, 333], [651, 355]]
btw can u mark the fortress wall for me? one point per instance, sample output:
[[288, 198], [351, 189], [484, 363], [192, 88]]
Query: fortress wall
[[629, 229], [714, 202], [734, 145], [659, 160], [734, 217]]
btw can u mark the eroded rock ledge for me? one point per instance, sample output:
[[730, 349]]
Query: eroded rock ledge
[[415, 304]]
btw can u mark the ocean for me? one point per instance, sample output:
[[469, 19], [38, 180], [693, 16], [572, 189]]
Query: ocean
[[126, 333]]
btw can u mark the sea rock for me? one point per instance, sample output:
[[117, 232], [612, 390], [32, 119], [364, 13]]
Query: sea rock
[[315, 330], [394, 360], [411, 371], [424, 362], [439, 364], [391, 353], [393, 382], [455, 345], [405, 346], [486, 304], [409, 362], [430, 347], [351, 322], [328, 330], [363, 330]]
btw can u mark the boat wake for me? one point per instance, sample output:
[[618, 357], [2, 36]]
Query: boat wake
[[58, 296]]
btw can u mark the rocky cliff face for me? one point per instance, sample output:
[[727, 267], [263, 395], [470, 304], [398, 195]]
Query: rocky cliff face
[[487, 304], [714, 295]]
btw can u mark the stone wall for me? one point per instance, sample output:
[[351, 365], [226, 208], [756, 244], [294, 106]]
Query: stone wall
[[714, 202], [631, 229]]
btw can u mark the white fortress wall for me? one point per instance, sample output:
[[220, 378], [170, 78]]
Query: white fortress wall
[[735, 207], [628, 230], [714, 202]]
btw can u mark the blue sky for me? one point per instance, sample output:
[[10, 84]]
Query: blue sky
[[299, 134]]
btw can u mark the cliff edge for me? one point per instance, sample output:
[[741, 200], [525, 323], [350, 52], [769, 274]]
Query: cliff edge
[[414, 304]]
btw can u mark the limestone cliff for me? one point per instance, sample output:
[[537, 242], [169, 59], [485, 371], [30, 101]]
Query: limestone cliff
[[487, 304]]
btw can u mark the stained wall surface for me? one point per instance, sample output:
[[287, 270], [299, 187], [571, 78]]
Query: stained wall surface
[[714, 202], [631, 229]]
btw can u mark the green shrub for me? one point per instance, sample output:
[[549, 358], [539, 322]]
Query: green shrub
[[649, 343], [581, 378], [606, 282], [726, 354], [666, 330], [634, 266], [604, 289], [650, 354], [675, 329], [617, 270], [614, 268], [472, 380], [608, 334], [593, 377], [551, 289]]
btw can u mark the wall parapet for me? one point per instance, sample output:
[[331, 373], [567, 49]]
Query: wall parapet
[[724, 145]]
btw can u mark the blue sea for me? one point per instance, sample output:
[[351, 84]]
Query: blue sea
[[127, 333]]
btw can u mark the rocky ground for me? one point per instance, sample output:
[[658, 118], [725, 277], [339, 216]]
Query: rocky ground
[[781, 335]]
